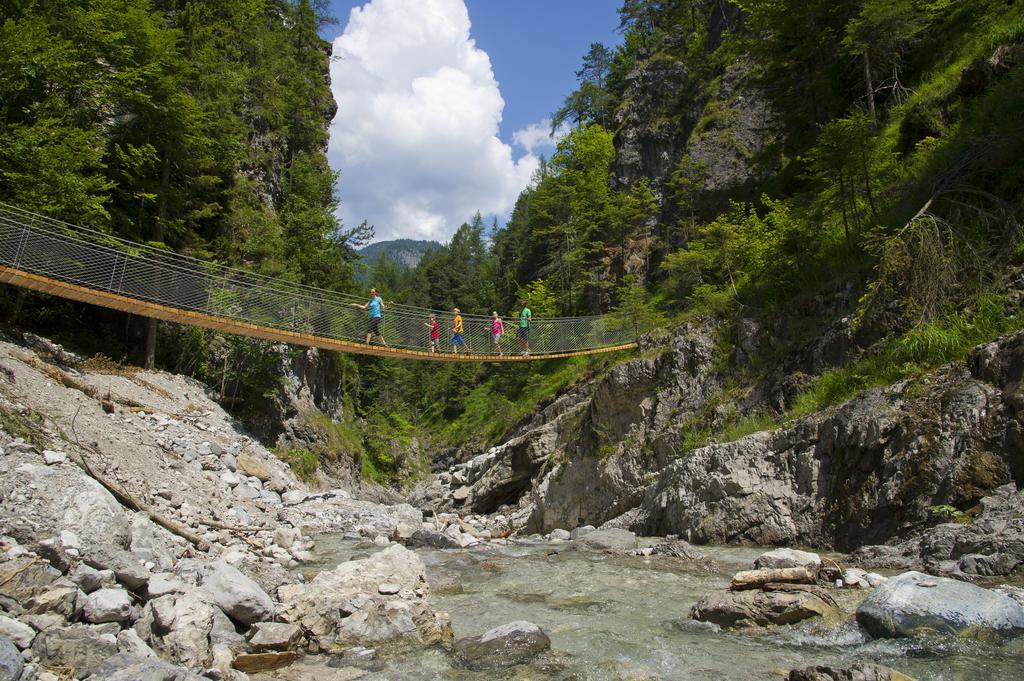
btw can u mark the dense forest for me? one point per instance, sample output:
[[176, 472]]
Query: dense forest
[[793, 163]]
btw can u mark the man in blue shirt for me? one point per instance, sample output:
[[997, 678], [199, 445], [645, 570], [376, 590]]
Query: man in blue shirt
[[376, 306]]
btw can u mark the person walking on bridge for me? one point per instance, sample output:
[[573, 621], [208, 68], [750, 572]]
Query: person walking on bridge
[[435, 334], [458, 332], [376, 307], [523, 332], [497, 330]]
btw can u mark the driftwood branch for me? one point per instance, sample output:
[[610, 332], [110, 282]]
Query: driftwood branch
[[755, 579], [232, 528]]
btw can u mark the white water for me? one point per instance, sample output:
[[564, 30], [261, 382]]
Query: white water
[[623, 617]]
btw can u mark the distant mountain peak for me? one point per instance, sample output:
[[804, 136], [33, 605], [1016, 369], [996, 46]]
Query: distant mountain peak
[[407, 252]]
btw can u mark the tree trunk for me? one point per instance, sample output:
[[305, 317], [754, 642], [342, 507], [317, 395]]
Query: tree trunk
[[755, 579], [842, 206], [869, 86], [19, 302], [158, 235]]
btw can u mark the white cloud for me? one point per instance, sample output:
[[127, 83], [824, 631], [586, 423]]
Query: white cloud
[[416, 134], [539, 136]]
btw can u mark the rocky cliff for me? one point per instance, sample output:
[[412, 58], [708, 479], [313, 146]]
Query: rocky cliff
[[870, 471]]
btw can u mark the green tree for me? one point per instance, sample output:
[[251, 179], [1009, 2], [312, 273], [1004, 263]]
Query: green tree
[[635, 311], [591, 102]]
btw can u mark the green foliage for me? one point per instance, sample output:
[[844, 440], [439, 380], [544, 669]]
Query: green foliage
[[25, 424], [539, 298], [924, 347], [200, 127], [302, 461], [636, 310], [951, 513], [751, 252]]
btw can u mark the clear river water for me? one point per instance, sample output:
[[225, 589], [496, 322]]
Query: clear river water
[[617, 618]]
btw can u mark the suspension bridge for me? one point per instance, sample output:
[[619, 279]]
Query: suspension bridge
[[61, 259]]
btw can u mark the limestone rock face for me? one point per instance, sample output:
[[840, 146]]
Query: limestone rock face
[[63, 499], [344, 607], [915, 604], [509, 644], [734, 609], [777, 488]]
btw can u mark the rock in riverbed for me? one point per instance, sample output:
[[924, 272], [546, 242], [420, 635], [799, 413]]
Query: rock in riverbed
[[788, 558], [344, 607], [509, 644], [733, 609], [858, 672], [610, 539], [915, 604]]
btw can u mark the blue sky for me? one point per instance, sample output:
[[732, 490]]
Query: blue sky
[[442, 103]]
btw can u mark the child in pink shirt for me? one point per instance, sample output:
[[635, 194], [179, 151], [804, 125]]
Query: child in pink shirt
[[497, 329]]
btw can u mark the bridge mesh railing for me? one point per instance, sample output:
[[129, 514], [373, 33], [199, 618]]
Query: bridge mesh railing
[[94, 260]]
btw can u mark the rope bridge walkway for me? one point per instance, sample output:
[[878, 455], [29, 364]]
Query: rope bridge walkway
[[54, 257]]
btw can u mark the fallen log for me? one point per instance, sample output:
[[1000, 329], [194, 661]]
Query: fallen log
[[756, 579]]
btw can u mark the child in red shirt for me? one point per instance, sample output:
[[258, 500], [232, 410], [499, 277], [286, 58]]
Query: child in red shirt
[[435, 333]]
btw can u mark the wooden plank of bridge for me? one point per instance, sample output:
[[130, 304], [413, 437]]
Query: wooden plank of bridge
[[9, 275]]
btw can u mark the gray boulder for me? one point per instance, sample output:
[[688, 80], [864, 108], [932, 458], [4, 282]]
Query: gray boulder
[[915, 604], [509, 644], [610, 539], [11, 661], [107, 605], [127, 667], [788, 558], [81, 647], [88, 578], [582, 531], [436, 540], [179, 627], [558, 534], [150, 543], [63, 499], [989, 565], [125, 566], [344, 607], [734, 609], [20, 634], [239, 597], [858, 672], [275, 636], [129, 642], [678, 548]]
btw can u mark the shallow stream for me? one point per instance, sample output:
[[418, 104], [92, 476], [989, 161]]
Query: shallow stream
[[624, 617]]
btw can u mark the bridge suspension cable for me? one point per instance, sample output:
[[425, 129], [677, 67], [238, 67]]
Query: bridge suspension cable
[[43, 254]]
